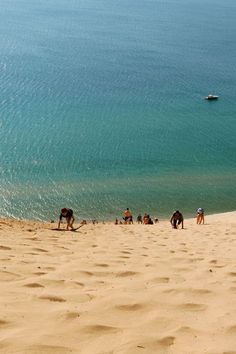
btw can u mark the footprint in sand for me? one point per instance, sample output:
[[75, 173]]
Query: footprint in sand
[[85, 272], [52, 298], [161, 280], [32, 238], [5, 248], [158, 345], [3, 323], [166, 341], [126, 274], [130, 307], [186, 330], [232, 330], [34, 285], [192, 307], [199, 291], [100, 329], [48, 349], [232, 274], [40, 249], [50, 268], [78, 283], [40, 273], [72, 315]]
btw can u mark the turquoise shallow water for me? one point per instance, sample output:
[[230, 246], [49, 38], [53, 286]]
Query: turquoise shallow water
[[101, 107]]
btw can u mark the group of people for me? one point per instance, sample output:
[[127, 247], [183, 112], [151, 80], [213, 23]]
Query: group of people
[[177, 219], [146, 219], [128, 218]]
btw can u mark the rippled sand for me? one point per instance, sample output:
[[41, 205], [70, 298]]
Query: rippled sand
[[124, 289]]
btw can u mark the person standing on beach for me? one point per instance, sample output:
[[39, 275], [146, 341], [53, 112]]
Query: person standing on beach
[[200, 216], [128, 216], [68, 215], [177, 219]]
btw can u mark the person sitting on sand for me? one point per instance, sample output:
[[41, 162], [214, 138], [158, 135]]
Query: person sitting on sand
[[200, 216], [147, 220], [177, 219], [139, 219], [128, 216], [68, 215]]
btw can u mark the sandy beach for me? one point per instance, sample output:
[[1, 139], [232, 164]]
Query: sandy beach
[[119, 289]]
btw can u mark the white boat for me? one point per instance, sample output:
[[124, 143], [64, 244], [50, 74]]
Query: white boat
[[211, 97]]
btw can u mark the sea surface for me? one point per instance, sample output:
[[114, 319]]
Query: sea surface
[[102, 107]]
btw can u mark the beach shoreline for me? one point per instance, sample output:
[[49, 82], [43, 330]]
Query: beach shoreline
[[79, 221]]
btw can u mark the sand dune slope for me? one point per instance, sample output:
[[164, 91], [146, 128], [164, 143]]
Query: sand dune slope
[[126, 289]]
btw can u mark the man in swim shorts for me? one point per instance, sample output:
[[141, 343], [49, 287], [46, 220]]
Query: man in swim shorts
[[128, 216], [68, 215], [177, 219]]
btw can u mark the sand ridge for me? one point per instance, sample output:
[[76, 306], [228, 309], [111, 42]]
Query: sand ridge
[[120, 289]]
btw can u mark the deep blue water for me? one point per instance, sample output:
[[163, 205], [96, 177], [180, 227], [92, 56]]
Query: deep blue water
[[101, 107]]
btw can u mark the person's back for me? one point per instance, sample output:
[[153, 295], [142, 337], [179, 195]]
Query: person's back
[[127, 213], [128, 216]]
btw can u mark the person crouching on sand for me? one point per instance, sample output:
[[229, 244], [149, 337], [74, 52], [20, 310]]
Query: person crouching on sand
[[68, 215], [177, 219]]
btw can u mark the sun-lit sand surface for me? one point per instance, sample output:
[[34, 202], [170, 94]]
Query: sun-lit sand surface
[[114, 289]]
